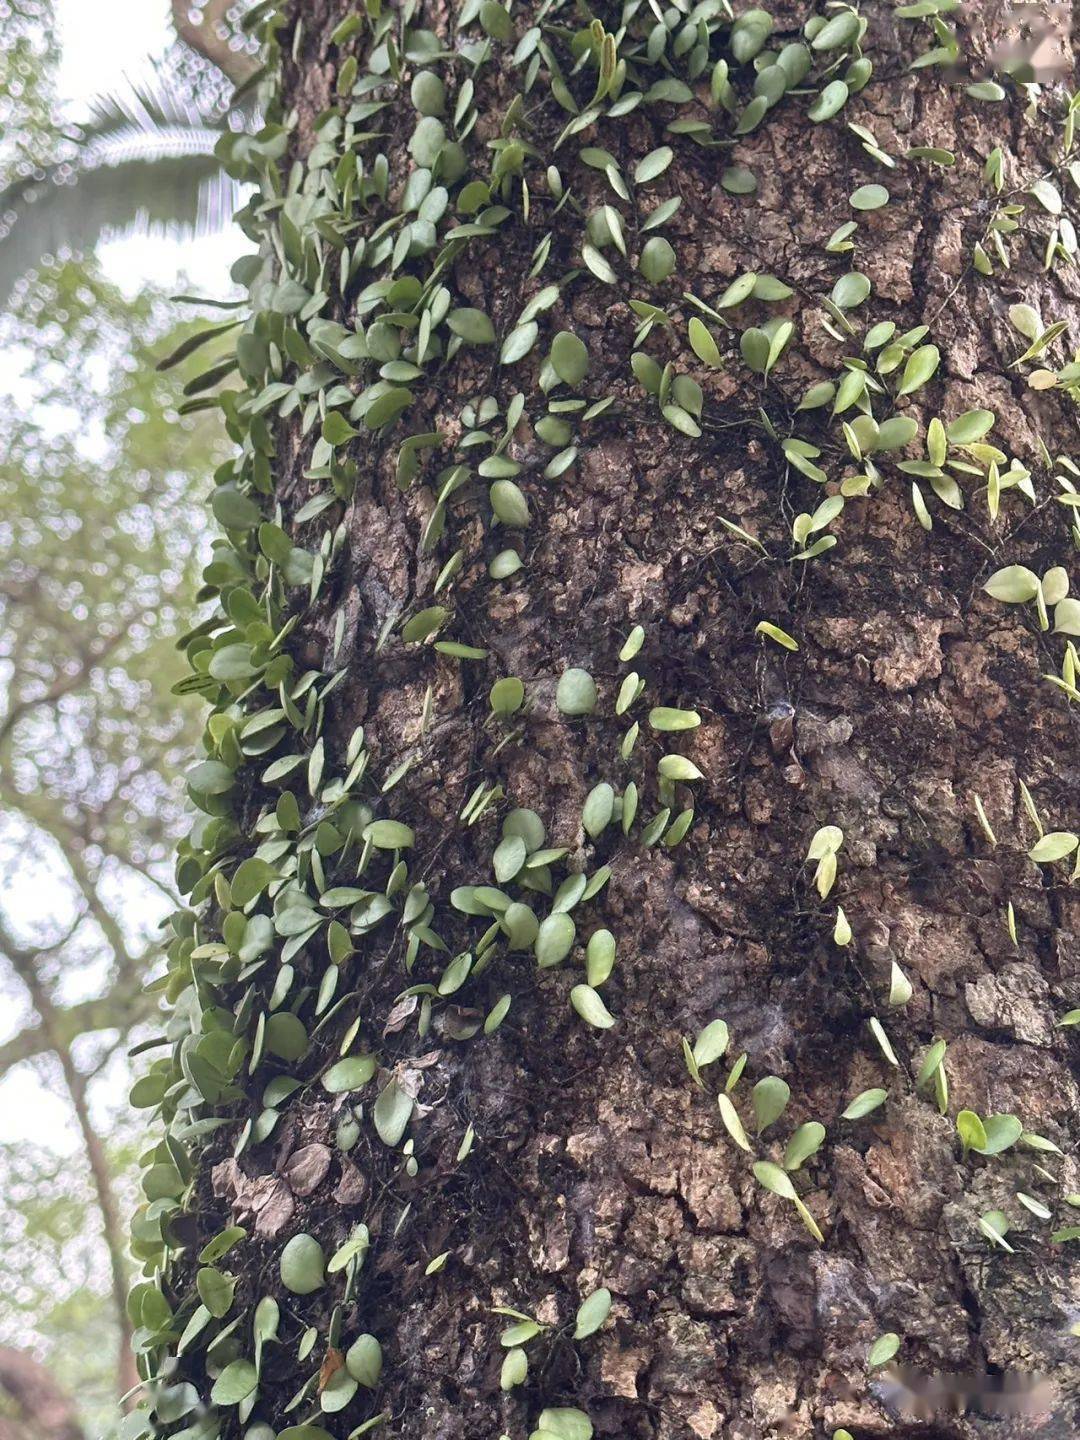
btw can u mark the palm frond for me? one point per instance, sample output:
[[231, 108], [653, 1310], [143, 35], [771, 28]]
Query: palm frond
[[158, 98], [144, 160]]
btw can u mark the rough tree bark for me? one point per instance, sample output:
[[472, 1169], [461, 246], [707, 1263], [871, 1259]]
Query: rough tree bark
[[598, 1161]]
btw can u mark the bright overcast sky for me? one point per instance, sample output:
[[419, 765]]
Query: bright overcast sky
[[102, 43]]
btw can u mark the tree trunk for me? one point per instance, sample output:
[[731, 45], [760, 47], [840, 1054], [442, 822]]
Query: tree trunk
[[599, 1160], [42, 1410], [25, 963], [112, 1226]]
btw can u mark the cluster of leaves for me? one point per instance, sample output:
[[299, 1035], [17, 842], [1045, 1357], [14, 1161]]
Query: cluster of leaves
[[300, 859], [321, 843]]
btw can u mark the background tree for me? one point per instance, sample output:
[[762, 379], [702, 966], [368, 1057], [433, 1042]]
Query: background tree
[[625, 984], [98, 558], [38, 1409], [56, 1300]]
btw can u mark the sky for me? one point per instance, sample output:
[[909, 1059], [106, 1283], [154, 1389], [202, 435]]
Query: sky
[[101, 43]]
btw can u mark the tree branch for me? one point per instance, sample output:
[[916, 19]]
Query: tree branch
[[24, 961], [121, 1009], [61, 686], [204, 36], [43, 1407]]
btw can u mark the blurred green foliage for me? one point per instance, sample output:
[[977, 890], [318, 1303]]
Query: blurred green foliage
[[54, 1284], [101, 499]]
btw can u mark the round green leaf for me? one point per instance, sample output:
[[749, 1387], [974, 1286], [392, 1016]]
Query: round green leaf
[[850, 290], [302, 1265], [569, 358], [495, 19], [351, 1073], [592, 1313], [528, 825], [896, 432], [1067, 617], [738, 180], [233, 509], [838, 32], [703, 344], [588, 1004], [391, 1113], [1016, 584], [216, 1291], [428, 93], [576, 692], [970, 427], [250, 879], [749, 34], [509, 504], [506, 563], [864, 1103], [806, 1141], [336, 1393], [769, 1098], [507, 695], [678, 767], [971, 1131], [774, 1179], [1000, 1132], [1052, 847], [712, 1043], [510, 855], [564, 1424], [597, 810], [427, 140], [388, 835], [921, 366], [554, 939], [830, 102], [473, 326], [521, 926], [652, 165], [387, 407], [515, 1367], [363, 1361], [599, 957], [667, 720], [883, 1349], [657, 259], [286, 1036], [869, 197], [235, 1383], [424, 624], [518, 343], [497, 1014]]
